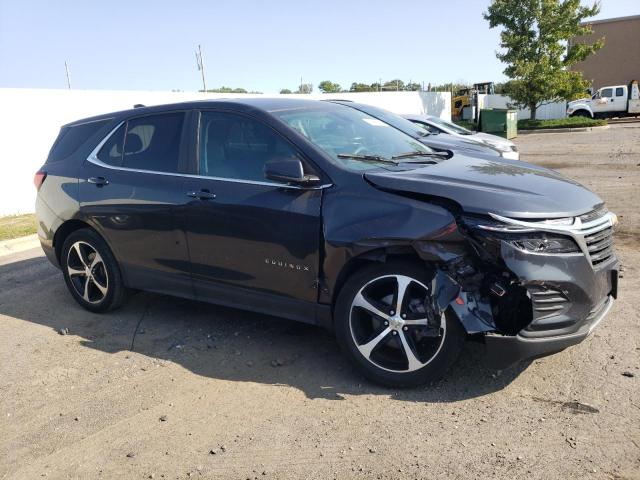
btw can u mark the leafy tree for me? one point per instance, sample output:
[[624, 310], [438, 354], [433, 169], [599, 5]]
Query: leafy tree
[[224, 89], [413, 87], [393, 85], [327, 86], [450, 87], [285, 90], [360, 87], [535, 38], [305, 88]]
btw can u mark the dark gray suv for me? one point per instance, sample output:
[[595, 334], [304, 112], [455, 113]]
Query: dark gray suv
[[321, 213]]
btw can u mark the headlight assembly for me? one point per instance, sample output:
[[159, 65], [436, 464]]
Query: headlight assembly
[[524, 238], [546, 244]]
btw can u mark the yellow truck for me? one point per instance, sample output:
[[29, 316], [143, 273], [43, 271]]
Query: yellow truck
[[463, 97]]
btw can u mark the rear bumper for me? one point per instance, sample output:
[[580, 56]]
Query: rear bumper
[[503, 351]]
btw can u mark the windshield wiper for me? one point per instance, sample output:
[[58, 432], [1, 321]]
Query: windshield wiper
[[367, 158], [416, 153]]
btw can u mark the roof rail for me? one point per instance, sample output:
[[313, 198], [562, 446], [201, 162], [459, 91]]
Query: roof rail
[[139, 105]]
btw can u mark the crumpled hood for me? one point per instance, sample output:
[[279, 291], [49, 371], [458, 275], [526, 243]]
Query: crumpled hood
[[505, 187]]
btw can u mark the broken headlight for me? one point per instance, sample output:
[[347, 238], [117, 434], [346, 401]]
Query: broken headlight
[[524, 238], [546, 244]]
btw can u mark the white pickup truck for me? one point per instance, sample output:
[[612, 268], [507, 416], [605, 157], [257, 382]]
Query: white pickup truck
[[613, 101]]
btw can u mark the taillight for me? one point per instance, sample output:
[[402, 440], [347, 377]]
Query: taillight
[[38, 179]]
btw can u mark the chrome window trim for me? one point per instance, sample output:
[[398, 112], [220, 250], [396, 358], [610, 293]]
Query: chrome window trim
[[71, 125], [577, 230], [93, 158]]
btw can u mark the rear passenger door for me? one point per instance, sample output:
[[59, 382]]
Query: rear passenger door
[[132, 189], [620, 100], [244, 230]]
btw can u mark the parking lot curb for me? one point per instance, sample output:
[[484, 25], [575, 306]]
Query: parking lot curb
[[562, 130], [7, 247]]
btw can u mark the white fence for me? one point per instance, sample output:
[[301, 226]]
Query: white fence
[[31, 118], [548, 111]]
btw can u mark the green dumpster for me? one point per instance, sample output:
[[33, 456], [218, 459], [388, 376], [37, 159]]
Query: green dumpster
[[499, 121]]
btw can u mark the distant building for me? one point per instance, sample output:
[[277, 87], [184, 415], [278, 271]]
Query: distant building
[[618, 62]]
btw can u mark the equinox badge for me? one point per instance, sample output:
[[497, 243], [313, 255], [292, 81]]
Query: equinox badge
[[283, 264]]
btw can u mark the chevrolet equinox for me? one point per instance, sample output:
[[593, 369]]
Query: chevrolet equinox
[[320, 213]]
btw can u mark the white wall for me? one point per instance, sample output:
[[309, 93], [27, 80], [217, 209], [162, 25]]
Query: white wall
[[31, 118], [402, 103], [545, 112]]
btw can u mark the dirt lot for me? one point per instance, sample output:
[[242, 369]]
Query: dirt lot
[[209, 392]]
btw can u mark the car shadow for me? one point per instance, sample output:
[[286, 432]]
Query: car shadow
[[225, 343]]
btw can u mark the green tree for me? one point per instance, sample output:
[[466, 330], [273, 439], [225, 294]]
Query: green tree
[[413, 87], [535, 40], [305, 88], [360, 87], [327, 86], [393, 85], [285, 91]]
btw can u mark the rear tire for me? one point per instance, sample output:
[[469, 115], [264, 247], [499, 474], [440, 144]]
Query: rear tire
[[404, 348], [91, 272]]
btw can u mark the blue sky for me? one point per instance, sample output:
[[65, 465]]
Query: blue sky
[[258, 45]]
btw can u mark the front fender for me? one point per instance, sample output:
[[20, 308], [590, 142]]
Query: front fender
[[572, 109]]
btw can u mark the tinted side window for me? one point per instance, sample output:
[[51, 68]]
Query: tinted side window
[[71, 138], [111, 151], [607, 92], [619, 92], [153, 143], [237, 147]]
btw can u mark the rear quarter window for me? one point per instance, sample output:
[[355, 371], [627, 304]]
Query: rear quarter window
[[71, 138]]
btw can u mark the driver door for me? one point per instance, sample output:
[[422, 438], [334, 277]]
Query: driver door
[[604, 101], [244, 232]]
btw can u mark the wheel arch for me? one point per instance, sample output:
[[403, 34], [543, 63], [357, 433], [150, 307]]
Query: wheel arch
[[66, 229], [376, 255], [582, 112]]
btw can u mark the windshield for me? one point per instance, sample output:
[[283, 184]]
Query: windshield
[[450, 126], [352, 138]]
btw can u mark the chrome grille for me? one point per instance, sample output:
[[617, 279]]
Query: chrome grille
[[600, 246]]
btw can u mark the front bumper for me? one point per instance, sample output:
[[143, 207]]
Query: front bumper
[[503, 351], [569, 298]]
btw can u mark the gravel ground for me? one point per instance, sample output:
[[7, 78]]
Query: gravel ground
[[209, 392]]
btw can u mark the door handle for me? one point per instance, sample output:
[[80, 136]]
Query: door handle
[[202, 195], [98, 181]]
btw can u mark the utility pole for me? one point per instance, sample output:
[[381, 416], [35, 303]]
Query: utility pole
[[200, 63], [66, 71]]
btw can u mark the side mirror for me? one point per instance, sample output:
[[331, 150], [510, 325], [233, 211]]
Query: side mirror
[[289, 170]]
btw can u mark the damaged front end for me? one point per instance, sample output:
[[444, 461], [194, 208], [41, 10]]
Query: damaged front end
[[533, 287]]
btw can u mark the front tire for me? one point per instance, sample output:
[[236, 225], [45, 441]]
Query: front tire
[[386, 324], [91, 271]]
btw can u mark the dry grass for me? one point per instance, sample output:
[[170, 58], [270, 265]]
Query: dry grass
[[15, 226]]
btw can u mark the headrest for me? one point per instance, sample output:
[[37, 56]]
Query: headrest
[[132, 144]]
